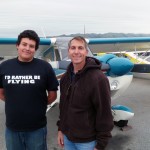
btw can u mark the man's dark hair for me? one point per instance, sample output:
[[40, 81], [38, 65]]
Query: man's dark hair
[[31, 35], [79, 38]]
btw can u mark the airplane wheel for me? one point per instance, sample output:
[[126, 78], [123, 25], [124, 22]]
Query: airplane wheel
[[121, 123]]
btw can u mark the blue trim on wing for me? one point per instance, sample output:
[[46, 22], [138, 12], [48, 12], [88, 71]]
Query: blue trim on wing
[[43, 41], [118, 40]]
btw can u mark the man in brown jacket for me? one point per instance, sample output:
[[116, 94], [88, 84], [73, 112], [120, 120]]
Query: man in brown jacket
[[85, 103]]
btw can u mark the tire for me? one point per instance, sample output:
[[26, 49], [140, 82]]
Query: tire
[[121, 123]]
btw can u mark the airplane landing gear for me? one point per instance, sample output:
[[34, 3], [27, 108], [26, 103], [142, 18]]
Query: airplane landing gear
[[121, 115], [121, 123]]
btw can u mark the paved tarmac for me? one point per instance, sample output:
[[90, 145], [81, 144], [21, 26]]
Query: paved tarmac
[[137, 97]]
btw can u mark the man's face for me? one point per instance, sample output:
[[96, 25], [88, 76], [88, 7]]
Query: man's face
[[77, 52], [26, 49]]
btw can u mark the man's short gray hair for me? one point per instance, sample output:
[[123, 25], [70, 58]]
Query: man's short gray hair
[[78, 38]]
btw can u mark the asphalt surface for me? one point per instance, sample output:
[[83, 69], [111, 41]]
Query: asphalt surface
[[137, 97]]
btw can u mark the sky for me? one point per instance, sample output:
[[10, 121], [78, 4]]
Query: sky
[[57, 17]]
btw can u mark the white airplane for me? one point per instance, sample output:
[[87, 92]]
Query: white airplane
[[54, 50]]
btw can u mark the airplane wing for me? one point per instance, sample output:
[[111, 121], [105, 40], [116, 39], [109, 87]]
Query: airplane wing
[[98, 45], [55, 52]]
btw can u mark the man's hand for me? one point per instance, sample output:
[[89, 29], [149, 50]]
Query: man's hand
[[60, 139]]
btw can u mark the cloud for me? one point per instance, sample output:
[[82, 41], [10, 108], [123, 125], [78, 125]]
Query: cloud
[[66, 17]]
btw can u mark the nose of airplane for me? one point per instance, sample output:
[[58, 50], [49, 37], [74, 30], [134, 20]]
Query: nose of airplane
[[117, 65], [120, 66]]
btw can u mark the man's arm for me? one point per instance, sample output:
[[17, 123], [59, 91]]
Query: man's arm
[[2, 97], [52, 95]]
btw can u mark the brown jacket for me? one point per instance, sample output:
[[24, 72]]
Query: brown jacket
[[85, 105]]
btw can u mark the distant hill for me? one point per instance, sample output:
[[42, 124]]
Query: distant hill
[[106, 35]]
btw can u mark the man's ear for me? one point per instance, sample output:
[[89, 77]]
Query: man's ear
[[17, 46]]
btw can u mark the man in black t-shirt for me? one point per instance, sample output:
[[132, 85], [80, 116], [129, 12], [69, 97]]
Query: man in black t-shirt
[[27, 86]]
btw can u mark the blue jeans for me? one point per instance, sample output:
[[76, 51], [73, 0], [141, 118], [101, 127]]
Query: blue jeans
[[32, 140], [78, 146]]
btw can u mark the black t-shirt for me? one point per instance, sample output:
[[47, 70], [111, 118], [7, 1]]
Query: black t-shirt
[[25, 85]]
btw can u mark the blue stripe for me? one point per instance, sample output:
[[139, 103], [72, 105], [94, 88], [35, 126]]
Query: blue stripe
[[118, 40], [8, 40], [118, 65], [43, 41], [121, 107], [59, 71]]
